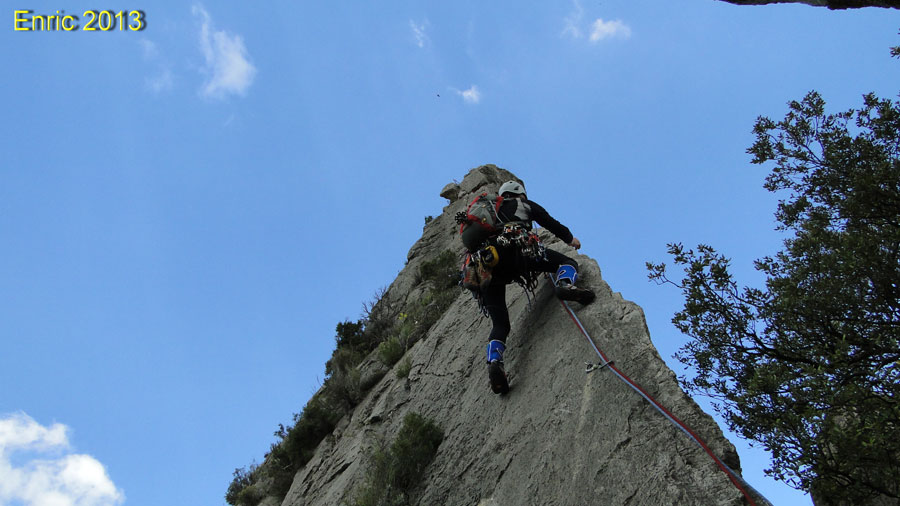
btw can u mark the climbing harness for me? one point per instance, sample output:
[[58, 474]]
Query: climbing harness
[[515, 240], [605, 363], [527, 248]]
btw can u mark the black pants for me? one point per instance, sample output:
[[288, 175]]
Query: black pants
[[494, 297]]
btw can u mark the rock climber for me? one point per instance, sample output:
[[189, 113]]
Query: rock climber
[[517, 210]]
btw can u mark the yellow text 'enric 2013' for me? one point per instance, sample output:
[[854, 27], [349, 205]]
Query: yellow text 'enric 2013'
[[93, 21]]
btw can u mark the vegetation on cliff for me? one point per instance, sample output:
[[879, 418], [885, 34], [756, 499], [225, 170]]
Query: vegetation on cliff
[[394, 471], [387, 329]]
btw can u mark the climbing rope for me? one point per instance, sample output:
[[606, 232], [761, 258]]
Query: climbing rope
[[606, 363]]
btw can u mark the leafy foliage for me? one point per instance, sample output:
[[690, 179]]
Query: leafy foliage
[[394, 472], [242, 491], [810, 365], [390, 351], [298, 443], [352, 346], [404, 368], [442, 271]]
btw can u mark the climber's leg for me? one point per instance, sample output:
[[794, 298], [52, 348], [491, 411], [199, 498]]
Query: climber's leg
[[565, 270], [494, 299]]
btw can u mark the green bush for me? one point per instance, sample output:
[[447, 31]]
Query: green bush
[[390, 351], [377, 491], [394, 472], [250, 496], [437, 305], [241, 491], [414, 449], [380, 317], [404, 368], [350, 334], [442, 271], [343, 359], [424, 313], [344, 389], [298, 443]]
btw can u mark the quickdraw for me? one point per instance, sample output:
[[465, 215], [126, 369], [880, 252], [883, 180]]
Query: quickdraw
[[589, 367]]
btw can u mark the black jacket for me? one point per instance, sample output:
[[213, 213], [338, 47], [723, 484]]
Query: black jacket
[[526, 211]]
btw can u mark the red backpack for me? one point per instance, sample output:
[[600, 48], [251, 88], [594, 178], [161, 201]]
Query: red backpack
[[480, 221]]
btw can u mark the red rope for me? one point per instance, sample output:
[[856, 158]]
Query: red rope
[[668, 414]]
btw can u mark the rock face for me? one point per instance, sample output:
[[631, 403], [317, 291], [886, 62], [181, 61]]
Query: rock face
[[561, 436], [831, 4]]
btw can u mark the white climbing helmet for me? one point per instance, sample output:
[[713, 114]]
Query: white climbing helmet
[[511, 187]]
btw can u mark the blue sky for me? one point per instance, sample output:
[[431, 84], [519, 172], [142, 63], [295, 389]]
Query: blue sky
[[187, 211]]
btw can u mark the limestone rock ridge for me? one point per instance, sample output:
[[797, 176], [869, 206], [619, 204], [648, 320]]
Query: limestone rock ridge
[[561, 436]]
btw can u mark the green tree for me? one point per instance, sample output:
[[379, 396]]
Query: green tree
[[809, 366]]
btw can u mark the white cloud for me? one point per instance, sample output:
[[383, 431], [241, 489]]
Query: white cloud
[[419, 34], [19, 431], [67, 480], [227, 64], [471, 96], [163, 79], [573, 21], [601, 30], [149, 48]]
